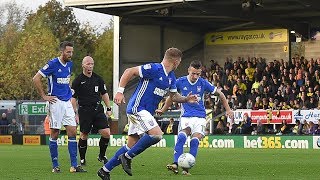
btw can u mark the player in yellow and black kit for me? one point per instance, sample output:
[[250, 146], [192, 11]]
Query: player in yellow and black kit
[[88, 90]]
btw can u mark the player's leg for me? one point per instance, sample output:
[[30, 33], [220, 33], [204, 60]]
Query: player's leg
[[55, 125], [83, 145], [197, 131], [184, 131], [104, 172], [101, 123], [53, 146], [103, 144], [178, 150], [85, 122], [146, 123], [69, 122]]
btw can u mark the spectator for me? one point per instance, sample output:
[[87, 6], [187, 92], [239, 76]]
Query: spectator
[[171, 128], [305, 128], [313, 127], [14, 127], [245, 125], [4, 124], [297, 129], [284, 128], [250, 72], [258, 104], [249, 104], [220, 129], [260, 129], [317, 128], [241, 99]]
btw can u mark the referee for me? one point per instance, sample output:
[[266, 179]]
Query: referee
[[88, 90]]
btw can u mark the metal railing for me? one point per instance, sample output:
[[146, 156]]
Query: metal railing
[[27, 129]]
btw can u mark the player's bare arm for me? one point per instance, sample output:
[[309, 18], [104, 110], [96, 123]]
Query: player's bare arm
[[225, 104], [74, 104], [128, 74], [37, 82], [190, 98]]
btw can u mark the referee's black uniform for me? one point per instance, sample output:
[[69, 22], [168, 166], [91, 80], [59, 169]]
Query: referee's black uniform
[[88, 92]]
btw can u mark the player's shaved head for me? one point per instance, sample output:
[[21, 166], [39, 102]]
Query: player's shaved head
[[86, 59], [87, 66]]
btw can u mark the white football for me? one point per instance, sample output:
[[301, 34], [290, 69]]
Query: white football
[[186, 160]]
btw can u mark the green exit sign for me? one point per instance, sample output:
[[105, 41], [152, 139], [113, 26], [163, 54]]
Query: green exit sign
[[32, 109]]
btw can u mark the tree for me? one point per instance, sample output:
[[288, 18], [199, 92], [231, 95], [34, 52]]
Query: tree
[[11, 19], [65, 26], [36, 46], [11, 15], [103, 57]]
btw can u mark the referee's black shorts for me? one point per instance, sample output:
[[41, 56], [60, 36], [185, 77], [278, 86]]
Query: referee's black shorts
[[92, 118]]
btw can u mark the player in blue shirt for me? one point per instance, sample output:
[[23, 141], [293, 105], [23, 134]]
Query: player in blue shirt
[[58, 72], [156, 79], [192, 121]]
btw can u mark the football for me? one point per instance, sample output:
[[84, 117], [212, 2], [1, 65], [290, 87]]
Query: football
[[186, 160]]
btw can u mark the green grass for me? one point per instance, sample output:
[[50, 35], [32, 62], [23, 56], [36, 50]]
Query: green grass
[[33, 162]]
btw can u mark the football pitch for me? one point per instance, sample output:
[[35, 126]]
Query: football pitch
[[33, 162]]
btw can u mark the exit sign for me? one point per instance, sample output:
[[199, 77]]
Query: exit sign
[[32, 109]]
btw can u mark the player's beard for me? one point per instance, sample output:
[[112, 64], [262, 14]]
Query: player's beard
[[68, 58]]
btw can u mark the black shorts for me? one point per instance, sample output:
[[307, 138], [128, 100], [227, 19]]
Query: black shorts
[[92, 119]]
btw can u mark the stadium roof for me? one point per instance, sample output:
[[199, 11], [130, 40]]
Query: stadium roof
[[212, 15]]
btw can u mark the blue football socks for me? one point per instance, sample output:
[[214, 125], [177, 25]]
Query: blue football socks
[[53, 146], [178, 148], [194, 144], [115, 161], [72, 147], [142, 144]]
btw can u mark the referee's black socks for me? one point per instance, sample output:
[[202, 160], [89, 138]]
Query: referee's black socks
[[82, 145], [103, 146]]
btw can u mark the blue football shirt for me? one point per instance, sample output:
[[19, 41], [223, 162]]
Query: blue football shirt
[[153, 85], [200, 87], [58, 75]]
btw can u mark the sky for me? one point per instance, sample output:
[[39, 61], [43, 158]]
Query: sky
[[93, 18]]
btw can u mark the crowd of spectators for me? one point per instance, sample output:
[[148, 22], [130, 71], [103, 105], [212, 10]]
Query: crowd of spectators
[[253, 83], [7, 127]]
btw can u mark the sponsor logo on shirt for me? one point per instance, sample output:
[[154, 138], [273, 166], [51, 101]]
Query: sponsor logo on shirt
[[160, 92], [63, 80]]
